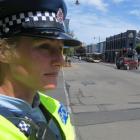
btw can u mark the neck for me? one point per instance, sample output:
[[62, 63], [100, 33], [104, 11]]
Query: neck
[[15, 89]]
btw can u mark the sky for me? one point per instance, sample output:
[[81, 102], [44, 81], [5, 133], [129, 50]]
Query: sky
[[94, 20]]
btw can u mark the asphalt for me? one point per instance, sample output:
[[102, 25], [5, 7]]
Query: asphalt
[[104, 102], [59, 92]]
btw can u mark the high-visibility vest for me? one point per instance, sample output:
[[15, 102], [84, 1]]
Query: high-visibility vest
[[60, 115], [8, 131]]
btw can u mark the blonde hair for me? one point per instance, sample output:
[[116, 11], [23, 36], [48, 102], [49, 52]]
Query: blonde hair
[[6, 46]]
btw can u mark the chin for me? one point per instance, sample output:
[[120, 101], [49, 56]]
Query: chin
[[50, 87], [49, 83], [47, 87]]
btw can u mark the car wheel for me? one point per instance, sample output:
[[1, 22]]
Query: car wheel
[[118, 67], [127, 67]]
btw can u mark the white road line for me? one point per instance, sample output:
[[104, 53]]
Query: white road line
[[66, 93], [68, 105]]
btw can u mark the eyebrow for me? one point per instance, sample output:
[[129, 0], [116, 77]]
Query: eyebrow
[[45, 45]]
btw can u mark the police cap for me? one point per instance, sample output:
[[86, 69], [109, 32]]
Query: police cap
[[37, 18]]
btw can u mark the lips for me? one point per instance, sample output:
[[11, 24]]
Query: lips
[[51, 74]]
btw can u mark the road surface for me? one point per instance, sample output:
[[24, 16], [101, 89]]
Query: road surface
[[105, 102]]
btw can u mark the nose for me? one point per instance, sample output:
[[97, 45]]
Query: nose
[[57, 60]]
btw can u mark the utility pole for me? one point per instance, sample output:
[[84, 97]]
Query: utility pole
[[99, 39], [99, 44]]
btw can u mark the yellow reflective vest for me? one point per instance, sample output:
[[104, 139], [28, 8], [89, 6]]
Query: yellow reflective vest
[[57, 112]]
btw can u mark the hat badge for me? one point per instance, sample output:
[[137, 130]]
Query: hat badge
[[60, 16]]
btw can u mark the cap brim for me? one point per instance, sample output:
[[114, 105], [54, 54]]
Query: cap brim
[[67, 39]]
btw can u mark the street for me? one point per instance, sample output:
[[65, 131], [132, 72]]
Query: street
[[105, 102]]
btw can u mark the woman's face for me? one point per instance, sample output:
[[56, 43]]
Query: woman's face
[[38, 63]]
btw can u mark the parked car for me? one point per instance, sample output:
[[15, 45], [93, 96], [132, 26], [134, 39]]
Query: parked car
[[139, 58], [75, 57], [97, 60], [127, 63], [89, 59]]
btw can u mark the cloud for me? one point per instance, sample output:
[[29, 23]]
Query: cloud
[[88, 23], [135, 12], [99, 4], [87, 26], [118, 1]]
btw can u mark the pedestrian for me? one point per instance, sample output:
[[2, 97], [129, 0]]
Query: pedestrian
[[66, 60], [80, 58], [69, 62], [32, 39]]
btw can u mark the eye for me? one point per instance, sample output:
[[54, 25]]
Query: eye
[[50, 49], [46, 47]]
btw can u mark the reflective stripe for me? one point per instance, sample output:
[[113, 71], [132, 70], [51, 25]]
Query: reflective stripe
[[53, 106], [10, 132]]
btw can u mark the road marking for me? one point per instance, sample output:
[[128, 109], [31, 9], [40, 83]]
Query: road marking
[[68, 105], [66, 94]]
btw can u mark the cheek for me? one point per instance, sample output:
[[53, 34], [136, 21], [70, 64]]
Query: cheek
[[40, 60]]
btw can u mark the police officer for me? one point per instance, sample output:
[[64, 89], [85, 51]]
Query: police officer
[[32, 38]]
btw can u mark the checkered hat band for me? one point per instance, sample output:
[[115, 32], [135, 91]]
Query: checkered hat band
[[27, 17]]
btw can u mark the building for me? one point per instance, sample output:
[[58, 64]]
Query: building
[[101, 47], [96, 51], [91, 48], [138, 38], [118, 43]]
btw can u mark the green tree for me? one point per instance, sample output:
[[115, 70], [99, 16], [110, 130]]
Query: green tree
[[81, 51], [69, 51], [138, 48]]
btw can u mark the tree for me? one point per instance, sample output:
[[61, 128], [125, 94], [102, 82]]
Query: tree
[[138, 48], [69, 51], [81, 51]]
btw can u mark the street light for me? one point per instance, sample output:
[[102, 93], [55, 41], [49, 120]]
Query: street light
[[77, 2]]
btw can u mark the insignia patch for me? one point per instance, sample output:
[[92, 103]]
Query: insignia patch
[[24, 127], [63, 113], [60, 16]]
